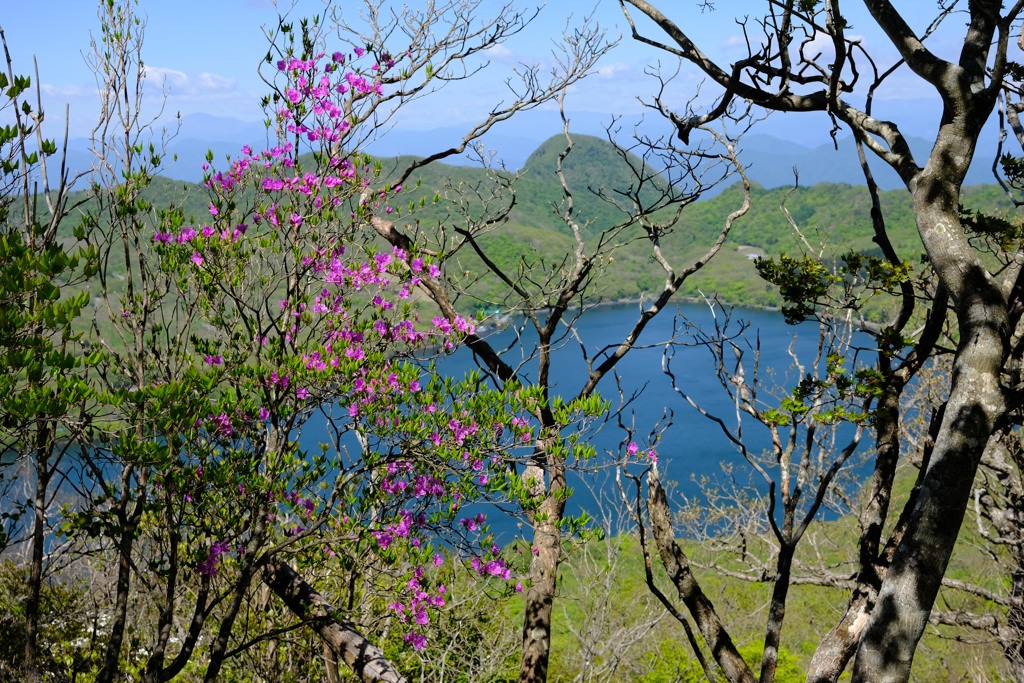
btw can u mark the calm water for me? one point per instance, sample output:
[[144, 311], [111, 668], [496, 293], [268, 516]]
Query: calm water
[[691, 447]]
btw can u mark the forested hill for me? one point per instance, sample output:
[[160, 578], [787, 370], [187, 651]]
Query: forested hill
[[836, 216]]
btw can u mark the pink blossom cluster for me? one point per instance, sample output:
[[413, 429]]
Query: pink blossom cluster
[[329, 340], [492, 564], [382, 386], [406, 526], [633, 451], [306, 505], [414, 609], [401, 478], [208, 567], [320, 95]]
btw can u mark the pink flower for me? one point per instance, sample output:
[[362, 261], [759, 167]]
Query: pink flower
[[222, 424], [213, 210], [417, 641], [197, 258], [208, 567]]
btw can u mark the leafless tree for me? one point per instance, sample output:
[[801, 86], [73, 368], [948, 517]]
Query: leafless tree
[[550, 291], [779, 75]]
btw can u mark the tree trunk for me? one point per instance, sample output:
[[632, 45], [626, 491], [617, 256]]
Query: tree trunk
[[975, 404], [547, 552], [840, 644], [777, 611], [677, 564], [344, 640], [43, 450], [1013, 648], [128, 522]]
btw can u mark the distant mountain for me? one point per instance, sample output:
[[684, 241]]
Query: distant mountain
[[771, 163], [592, 162], [186, 148], [532, 239], [770, 159]]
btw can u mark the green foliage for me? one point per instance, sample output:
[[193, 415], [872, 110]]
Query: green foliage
[[66, 627], [190, 400], [42, 366], [1006, 233], [807, 284], [1013, 166], [803, 283], [837, 216]]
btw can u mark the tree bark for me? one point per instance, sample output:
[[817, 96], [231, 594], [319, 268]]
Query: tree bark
[[701, 609], [547, 553], [777, 612], [968, 88], [976, 403], [344, 640], [840, 644], [43, 449], [128, 518]]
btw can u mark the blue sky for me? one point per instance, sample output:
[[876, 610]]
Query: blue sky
[[204, 54]]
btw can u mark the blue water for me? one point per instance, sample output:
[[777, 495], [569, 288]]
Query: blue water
[[691, 448]]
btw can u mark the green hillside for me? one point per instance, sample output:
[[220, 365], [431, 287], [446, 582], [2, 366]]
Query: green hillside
[[832, 218], [535, 239]]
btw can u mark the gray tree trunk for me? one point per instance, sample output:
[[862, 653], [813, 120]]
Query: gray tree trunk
[[344, 640], [547, 553], [976, 403]]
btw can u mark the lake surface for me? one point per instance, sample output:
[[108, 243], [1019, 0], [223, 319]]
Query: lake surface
[[692, 447]]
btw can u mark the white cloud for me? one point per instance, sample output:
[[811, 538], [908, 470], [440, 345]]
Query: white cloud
[[180, 84], [611, 70], [215, 82], [822, 44], [66, 91], [165, 77], [500, 53]]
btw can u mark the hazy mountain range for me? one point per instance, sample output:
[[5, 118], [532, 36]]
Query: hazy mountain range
[[835, 217], [770, 160]]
